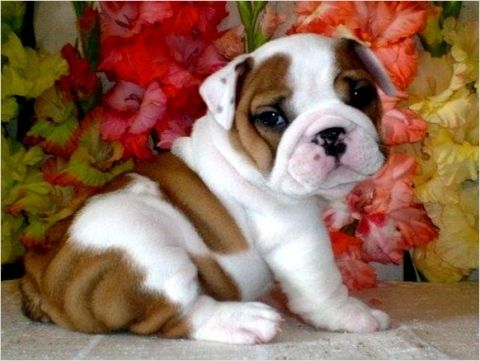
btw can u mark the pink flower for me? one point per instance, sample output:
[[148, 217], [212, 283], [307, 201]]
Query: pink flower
[[390, 220], [414, 224], [386, 27], [193, 54], [121, 102], [322, 17], [231, 43], [125, 19], [271, 21], [356, 273], [130, 112], [382, 242], [151, 109], [174, 125], [390, 189], [400, 125], [400, 60], [337, 215], [382, 23]]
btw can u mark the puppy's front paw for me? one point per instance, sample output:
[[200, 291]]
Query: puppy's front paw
[[353, 316], [241, 323], [356, 317]]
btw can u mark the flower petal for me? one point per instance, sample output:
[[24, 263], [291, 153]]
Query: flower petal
[[151, 110]]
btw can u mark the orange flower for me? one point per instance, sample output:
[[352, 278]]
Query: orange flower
[[400, 125], [400, 60], [271, 21], [356, 272], [386, 27], [231, 43]]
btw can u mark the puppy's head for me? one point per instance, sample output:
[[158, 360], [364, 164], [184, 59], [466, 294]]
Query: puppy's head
[[304, 110]]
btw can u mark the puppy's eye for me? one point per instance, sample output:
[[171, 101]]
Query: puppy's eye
[[271, 119], [362, 93]]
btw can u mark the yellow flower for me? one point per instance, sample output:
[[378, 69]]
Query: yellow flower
[[9, 109], [455, 253], [469, 131], [434, 268], [28, 73], [437, 78], [463, 37], [455, 162]]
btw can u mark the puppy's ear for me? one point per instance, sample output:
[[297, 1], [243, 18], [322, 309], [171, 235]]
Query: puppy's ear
[[375, 67], [219, 90]]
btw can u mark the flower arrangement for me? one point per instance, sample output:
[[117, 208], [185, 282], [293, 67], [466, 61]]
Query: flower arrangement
[[75, 120]]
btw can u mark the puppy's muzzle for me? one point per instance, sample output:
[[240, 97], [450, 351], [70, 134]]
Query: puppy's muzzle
[[332, 140]]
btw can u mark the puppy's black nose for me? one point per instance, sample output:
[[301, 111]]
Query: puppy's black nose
[[332, 141]]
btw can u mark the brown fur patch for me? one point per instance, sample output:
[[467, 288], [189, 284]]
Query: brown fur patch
[[215, 281], [95, 292], [352, 68], [263, 86], [185, 190]]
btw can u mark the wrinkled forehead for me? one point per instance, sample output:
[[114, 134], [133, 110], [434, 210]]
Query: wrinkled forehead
[[314, 62]]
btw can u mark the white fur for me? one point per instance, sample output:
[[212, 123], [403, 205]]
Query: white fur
[[278, 215]]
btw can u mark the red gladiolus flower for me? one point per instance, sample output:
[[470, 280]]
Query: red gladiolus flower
[[80, 81], [169, 44], [89, 18]]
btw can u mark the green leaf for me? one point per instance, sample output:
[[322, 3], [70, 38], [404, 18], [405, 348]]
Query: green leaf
[[246, 14], [258, 7], [56, 136], [259, 39], [12, 227], [90, 176], [79, 7], [33, 156], [92, 47], [34, 233], [13, 13], [16, 162], [52, 105], [451, 8]]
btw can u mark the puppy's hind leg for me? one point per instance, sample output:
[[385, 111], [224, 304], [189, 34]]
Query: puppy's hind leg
[[191, 314]]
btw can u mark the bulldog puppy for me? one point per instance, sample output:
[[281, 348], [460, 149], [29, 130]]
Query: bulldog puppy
[[183, 246]]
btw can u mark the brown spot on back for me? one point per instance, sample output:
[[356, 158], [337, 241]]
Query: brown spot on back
[[215, 281], [185, 190], [263, 86], [116, 184]]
